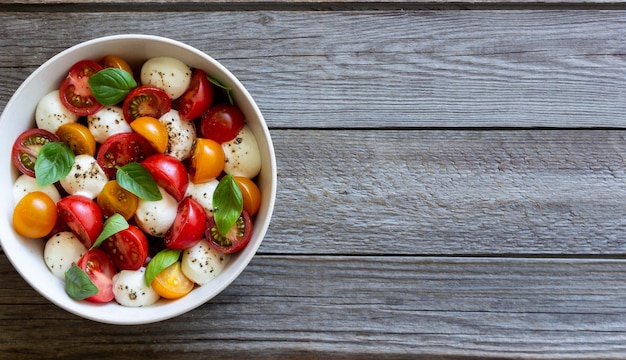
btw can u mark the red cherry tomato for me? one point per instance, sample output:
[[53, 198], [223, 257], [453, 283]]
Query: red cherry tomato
[[237, 238], [128, 249], [121, 149], [27, 146], [146, 101], [83, 216], [222, 122], [100, 269], [75, 92], [198, 97], [189, 225], [169, 173]]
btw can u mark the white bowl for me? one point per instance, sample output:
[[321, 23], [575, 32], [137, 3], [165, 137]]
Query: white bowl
[[26, 255]]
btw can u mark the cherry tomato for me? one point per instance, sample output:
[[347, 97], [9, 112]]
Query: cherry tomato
[[114, 61], [189, 225], [237, 238], [128, 249], [26, 148], [169, 173], [198, 97], [78, 137], [83, 216], [121, 149], [250, 194], [171, 283], [222, 122], [35, 215], [146, 101], [207, 161], [100, 269], [75, 92], [115, 199], [153, 130]]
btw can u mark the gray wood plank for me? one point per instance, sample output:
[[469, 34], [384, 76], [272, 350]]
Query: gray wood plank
[[405, 69], [540, 192], [347, 307]]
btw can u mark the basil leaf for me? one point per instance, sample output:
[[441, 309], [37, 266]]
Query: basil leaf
[[54, 162], [160, 262], [111, 85], [138, 180], [226, 89], [112, 226], [227, 204], [78, 285]]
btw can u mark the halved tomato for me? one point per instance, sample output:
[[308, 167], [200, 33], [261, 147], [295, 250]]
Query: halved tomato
[[169, 173], [27, 146], [146, 101], [189, 225], [121, 149], [115, 199], [237, 238], [75, 92], [100, 269], [207, 161], [128, 249], [171, 283], [78, 137], [153, 130], [198, 97], [83, 216]]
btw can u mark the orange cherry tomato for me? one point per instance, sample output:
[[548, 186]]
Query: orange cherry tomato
[[114, 61], [153, 130], [35, 215], [171, 283], [115, 199], [250, 193], [207, 161], [78, 138]]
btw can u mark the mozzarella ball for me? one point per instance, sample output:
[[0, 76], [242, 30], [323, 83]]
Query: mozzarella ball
[[203, 194], [169, 74], [106, 122], [201, 263], [243, 157], [181, 134], [51, 114], [130, 289], [61, 251], [85, 178], [25, 184], [156, 217]]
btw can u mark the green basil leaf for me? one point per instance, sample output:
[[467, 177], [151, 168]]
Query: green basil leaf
[[138, 180], [227, 204], [159, 262], [226, 89], [111, 85], [114, 224], [78, 285], [54, 162]]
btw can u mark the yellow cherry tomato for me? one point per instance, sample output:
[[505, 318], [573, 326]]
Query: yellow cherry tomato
[[153, 130], [35, 215], [114, 61], [78, 138], [171, 283], [207, 161], [115, 199], [250, 194]]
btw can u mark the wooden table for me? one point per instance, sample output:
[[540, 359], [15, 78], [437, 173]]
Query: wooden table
[[452, 183]]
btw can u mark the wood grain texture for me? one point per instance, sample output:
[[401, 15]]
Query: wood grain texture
[[347, 307], [405, 69]]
